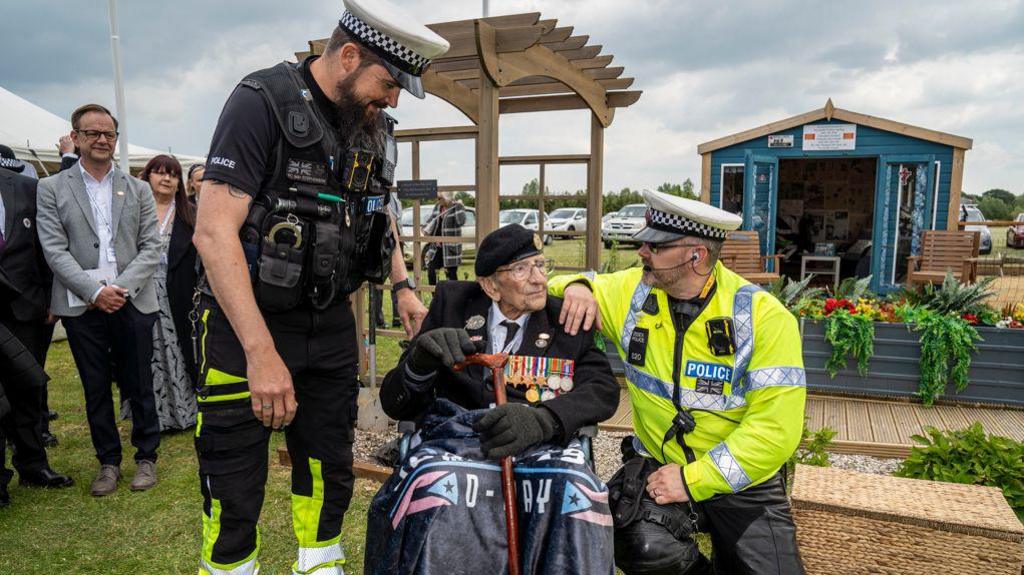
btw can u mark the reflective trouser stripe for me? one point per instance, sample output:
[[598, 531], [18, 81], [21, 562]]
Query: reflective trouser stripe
[[211, 532], [327, 558], [314, 556], [212, 377]]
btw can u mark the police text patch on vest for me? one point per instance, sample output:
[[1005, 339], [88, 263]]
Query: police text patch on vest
[[637, 352], [711, 377]]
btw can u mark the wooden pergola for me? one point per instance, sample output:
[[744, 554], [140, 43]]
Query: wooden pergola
[[515, 64]]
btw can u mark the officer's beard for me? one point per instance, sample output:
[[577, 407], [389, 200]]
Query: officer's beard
[[363, 130]]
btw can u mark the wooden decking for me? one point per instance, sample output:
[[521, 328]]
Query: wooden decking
[[877, 427]]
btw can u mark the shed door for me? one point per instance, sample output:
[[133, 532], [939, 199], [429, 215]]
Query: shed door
[[760, 199], [904, 203]]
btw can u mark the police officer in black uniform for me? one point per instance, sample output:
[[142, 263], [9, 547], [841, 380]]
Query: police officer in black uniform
[[292, 219]]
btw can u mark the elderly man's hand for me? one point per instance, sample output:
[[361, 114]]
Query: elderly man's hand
[[579, 307], [444, 346], [666, 485]]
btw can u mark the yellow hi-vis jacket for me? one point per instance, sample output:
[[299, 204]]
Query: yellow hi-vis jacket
[[761, 386]]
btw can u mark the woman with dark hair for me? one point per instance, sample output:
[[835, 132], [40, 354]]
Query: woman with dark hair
[[175, 282]]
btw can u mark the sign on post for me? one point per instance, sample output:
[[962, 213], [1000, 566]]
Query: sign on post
[[417, 189]]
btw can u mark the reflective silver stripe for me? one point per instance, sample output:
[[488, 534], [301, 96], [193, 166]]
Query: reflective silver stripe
[[743, 323], [250, 567], [729, 467], [688, 397], [775, 377], [639, 297], [326, 560], [590, 275]]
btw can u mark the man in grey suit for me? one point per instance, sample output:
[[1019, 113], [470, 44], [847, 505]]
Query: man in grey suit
[[98, 230]]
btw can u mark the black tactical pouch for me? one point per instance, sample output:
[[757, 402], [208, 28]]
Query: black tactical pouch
[[374, 246], [626, 488], [279, 285]]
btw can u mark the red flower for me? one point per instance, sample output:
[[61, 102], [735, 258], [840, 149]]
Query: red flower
[[832, 304], [970, 318]]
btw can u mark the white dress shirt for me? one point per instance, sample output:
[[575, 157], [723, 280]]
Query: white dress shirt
[[100, 194], [497, 331]]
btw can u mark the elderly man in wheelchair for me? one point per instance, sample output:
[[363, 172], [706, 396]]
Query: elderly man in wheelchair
[[442, 510]]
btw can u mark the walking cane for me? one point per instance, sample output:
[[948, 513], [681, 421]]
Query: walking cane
[[508, 488]]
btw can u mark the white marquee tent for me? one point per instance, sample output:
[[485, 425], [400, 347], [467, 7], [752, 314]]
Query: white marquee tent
[[32, 133]]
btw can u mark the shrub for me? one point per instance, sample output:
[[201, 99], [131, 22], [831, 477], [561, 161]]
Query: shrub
[[969, 456], [814, 453], [851, 334]]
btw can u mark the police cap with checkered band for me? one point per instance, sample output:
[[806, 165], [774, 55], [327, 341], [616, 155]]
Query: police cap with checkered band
[[671, 217], [404, 45]]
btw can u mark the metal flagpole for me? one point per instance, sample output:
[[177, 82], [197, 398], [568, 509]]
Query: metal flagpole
[[122, 117]]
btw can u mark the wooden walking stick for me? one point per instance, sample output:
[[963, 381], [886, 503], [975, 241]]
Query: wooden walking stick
[[508, 487]]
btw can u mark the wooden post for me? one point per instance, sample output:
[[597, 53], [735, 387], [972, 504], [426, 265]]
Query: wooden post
[[488, 172], [417, 246], [595, 193], [956, 181], [705, 178]]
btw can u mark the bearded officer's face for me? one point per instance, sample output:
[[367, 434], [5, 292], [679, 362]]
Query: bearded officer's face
[[669, 264]]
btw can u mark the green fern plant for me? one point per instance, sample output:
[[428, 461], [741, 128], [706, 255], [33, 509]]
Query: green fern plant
[[850, 335], [947, 343], [853, 289], [952, 296], [790, 292]]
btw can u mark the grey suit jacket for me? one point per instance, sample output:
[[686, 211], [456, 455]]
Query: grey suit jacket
[[67, 233]]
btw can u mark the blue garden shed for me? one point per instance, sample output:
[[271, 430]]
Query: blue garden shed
[[840, 184]]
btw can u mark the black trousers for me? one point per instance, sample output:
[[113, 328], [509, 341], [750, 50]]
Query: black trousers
[[753, 531], [23, 425], [319, 348], [120, 342]]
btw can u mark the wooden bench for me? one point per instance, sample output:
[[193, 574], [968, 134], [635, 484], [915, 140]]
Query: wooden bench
[[945, 251], [741, 253]]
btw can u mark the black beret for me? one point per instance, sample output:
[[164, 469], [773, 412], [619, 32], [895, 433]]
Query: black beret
[[504, 246]]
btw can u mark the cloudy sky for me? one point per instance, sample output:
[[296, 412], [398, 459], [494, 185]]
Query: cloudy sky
[[707, 69]]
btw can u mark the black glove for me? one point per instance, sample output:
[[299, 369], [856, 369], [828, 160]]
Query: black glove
[[444, 346], [513, 428]]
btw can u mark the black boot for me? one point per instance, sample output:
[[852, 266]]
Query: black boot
[[5, 478]]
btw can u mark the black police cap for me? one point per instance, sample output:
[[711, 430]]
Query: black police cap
[[504, 246]]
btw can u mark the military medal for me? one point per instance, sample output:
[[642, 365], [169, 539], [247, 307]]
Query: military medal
[[542, 340], [547, 394], [531, 395], [475, 322]]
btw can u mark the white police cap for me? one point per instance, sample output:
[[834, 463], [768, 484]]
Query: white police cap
[[671, 217], [404, 45]]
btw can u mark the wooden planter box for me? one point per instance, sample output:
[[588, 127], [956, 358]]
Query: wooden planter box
[[996, 375]]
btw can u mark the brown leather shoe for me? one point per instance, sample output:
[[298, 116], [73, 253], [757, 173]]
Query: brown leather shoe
[[106, 480], [145, 475]]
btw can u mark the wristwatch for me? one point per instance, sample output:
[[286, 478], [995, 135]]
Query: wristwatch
[[407, 283]]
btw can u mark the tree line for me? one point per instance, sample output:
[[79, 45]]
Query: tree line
[[997, 204], [612, 201]]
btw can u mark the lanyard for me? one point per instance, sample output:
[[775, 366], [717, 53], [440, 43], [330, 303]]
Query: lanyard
[[167, 219], [99, 211]]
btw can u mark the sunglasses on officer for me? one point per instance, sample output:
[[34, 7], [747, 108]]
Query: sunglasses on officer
[[522, 270], [655, 248]]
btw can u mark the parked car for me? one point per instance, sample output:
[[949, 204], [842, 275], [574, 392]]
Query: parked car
[[971, 213], [468, 228], [627, 221], [608, 216], [1015, 233], [567, 219], [528, 218]]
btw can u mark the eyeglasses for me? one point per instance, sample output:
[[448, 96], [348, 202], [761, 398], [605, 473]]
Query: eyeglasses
[[522, 270], [95, 134], [655, 248]]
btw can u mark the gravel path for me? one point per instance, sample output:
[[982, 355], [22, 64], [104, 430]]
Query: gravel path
[[609, 458]]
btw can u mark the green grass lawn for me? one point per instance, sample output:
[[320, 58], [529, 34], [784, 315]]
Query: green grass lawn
[[153, 532]]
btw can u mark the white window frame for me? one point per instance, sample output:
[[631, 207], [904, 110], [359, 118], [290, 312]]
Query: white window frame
[[721, 180]]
